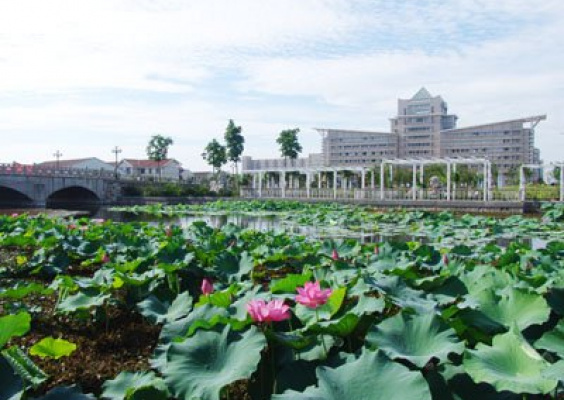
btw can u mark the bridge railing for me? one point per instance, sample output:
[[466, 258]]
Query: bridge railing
[[35, 170]]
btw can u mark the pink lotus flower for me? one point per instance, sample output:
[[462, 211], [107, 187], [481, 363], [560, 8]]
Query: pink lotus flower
[[312, 296], [376, 250], [105, 258], [168, 231], [97, 221], [14, 215], [72, 226], [207, 287], [335, 255], [272, 311], [445, 259]]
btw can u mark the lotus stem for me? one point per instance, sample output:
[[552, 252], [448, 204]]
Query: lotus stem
[[273, 366], [322, 338]]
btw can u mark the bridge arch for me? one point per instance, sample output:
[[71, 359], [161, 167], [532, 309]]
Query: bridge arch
[[14, 198], [73, 194]]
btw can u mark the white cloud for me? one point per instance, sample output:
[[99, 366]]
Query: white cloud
[[188, 66]]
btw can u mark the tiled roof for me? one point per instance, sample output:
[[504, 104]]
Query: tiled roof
[[63, 163], [147, 163]]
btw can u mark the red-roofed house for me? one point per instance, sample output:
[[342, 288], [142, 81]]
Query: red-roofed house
[[144, 169]]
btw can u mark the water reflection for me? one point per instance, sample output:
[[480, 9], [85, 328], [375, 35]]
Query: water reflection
[[279, 224]]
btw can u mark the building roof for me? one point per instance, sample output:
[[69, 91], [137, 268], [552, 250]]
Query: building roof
[[534, 120], [352, 131], [422, 94], [66, 163], [148, 163]]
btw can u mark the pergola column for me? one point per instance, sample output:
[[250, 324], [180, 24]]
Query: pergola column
[[485, 185], [260, 184], [372, 180], [319, 180], [334, 183], [421, 178], [363, 179], [522, 183], [308, 184], [414, 183], [448, 181], [490, 178], [454, 183], [283, 183], [382, 184], [254, 184]]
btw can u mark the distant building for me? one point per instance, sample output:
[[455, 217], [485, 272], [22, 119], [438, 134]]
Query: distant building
[[313, 160], [148, 169], [91, 163], [424, 129]]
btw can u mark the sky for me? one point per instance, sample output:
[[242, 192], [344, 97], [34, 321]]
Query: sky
[[84, 76]]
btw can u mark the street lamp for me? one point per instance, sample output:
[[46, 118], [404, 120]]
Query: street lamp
[[58, 155], [116, 150]]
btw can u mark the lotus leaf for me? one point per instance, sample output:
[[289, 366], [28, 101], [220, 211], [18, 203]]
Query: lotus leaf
[[417, 339], [203, 364], [371, 377], [510, 363]]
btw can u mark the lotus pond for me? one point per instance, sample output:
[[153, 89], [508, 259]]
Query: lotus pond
[[98, 309]]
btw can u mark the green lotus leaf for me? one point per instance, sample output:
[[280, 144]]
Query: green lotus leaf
[[54, 348], [13, 325], [66, 393], [135, 386], [19, 292], [553, 340], [371, 377], [83, 300], [509, 364], [515, 307], [555, 371], [290, 283], [159, 312], [417, 338], [203, 364]]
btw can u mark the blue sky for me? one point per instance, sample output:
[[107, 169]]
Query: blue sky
[[83, 76]]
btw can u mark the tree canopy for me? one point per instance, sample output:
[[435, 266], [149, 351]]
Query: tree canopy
[[157, 149], [215, 154], [234, 142], [289, 145]]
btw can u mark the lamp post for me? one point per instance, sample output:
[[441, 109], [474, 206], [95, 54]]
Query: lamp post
[[116, 150], [57, 155]]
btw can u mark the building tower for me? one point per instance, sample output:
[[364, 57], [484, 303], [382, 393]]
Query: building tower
[[418, 124]]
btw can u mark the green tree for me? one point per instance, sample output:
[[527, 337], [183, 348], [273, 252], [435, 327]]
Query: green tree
[[234, 144], [215, 154], [157, 149], [289, 145]]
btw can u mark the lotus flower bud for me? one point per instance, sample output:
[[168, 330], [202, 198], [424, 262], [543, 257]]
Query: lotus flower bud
[[335, 255], [207, 287], [445, 259]]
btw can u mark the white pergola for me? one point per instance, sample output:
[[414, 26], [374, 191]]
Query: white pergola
[[451, 164], [309, 172], [257, 182], [523, 181]]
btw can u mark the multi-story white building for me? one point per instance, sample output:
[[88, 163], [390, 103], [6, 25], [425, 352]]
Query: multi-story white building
[[424, 129]]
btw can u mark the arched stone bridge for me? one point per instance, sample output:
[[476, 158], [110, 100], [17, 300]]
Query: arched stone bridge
[[39, 187]]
